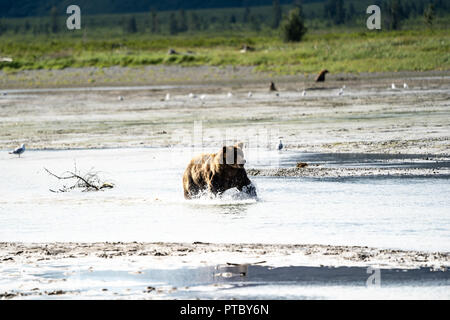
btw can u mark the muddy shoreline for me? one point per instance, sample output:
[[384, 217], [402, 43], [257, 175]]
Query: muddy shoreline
[[369, 117], [177, 75], [320, 172], [204, 271], [200, 253]]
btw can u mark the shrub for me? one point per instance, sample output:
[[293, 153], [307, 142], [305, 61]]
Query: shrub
[[292, 28]]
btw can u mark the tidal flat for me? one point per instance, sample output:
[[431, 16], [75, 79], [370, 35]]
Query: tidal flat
[[374, 193]]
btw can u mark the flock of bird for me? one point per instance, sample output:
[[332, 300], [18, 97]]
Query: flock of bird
[[320, 78], [272, 88], [230, 95]]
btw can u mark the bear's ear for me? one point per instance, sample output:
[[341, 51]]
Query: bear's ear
[[239, 145]]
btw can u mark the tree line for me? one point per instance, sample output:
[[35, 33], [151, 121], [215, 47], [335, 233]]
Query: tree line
[[393, 11], [334, 12]]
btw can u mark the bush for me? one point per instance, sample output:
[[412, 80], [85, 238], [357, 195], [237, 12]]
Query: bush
[[292, 28]]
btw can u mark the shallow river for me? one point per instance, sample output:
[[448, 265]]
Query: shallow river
[[147, 203]]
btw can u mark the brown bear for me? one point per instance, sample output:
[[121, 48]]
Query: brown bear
[[217, 172], [321, 76], [272, 87]]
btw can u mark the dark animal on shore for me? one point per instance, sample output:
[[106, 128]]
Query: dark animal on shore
[[171, 52], [321, 76], [272, 87], [217, 172], [301, 164], [246, 48]]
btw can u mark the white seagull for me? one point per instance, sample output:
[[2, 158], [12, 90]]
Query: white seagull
[[393, 87], [250, 94], [120, 98], [280, 146], [202, 97], [405, 86], [167, 97], [192, 96], [229, 95], [19, 151], [304, 93], [341, 91]]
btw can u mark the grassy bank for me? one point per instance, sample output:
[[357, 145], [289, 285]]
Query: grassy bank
[[385, 51]]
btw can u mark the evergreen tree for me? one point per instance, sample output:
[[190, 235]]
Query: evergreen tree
[[351, 11], [293, 28], [214, 19], [334, 9], [173, 25], [298, 4], [154, 26], [195, 23], [339, 17], [276, 14], [54, 19], [131, 26], [329, 9], [394, 14], [255, 23], [420, 7], [34, 30], [413, 8], [406, 10], [27, 26], [182, 27], [428, 14], [247, 14], [402, 11]]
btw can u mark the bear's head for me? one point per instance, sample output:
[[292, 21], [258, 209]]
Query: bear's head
[[231, 156]]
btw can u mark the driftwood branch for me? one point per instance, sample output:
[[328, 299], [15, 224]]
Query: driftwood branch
[[87, 182]]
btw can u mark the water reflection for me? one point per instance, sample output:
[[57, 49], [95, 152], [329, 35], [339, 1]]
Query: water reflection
[[247, 281]]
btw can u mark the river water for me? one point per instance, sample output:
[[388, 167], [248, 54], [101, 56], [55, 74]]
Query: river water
[[147, 202]]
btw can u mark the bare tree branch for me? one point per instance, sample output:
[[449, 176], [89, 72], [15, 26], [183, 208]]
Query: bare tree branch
[[88, 182]]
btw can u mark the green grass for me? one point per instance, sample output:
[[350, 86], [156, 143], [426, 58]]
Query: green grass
[[344, 51], [102, 42]]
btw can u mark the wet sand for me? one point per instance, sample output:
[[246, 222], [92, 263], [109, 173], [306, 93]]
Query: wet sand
[[318, 172], [200, 253], [205, 270], [369, 117]]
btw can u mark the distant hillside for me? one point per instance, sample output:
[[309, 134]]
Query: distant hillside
[[176, 17], [28, 8]]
